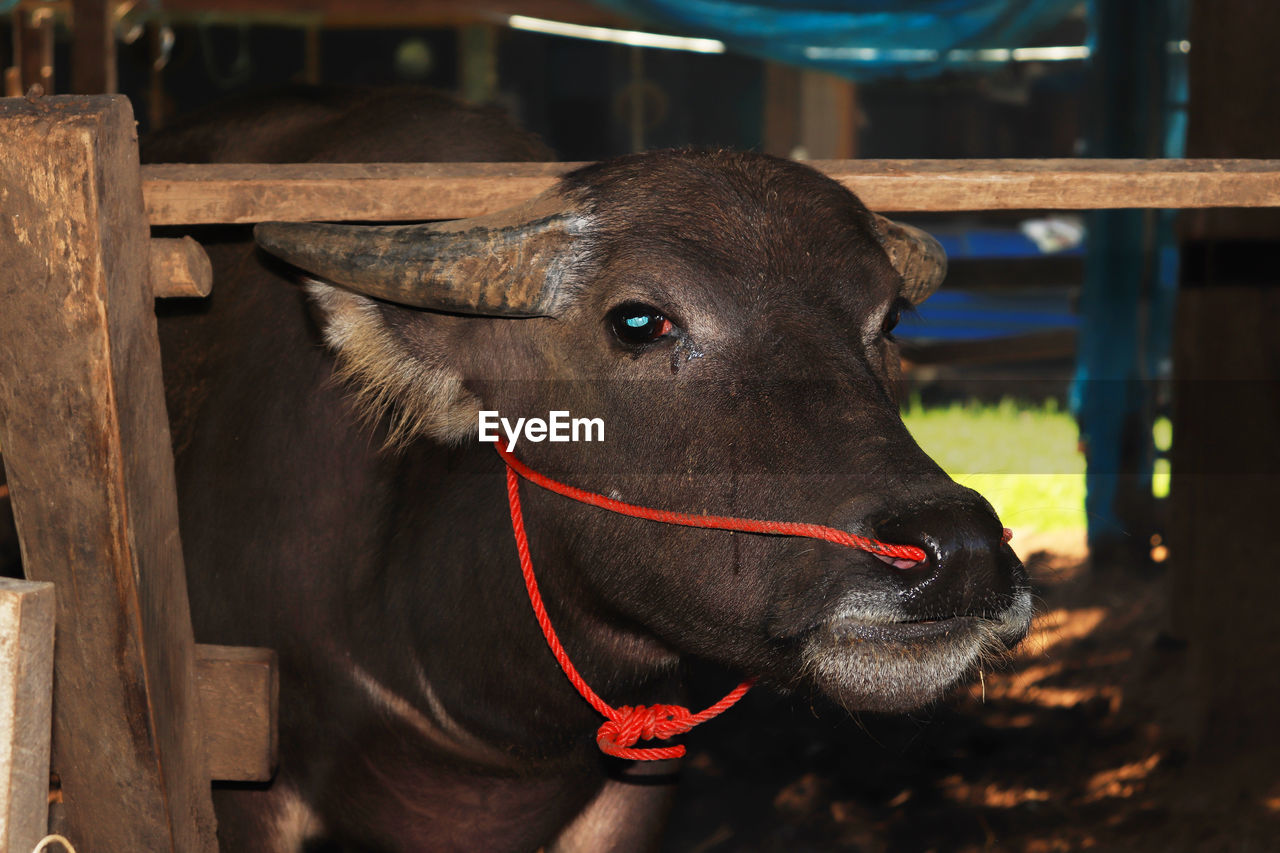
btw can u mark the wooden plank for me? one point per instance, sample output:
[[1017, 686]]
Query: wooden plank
[[179, 267], [181, 194], [239, 694], [26, 694], [191, 194], [86, 451]]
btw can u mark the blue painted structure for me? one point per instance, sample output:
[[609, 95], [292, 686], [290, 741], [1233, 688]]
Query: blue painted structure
[[1128, 299], [969, 315], [859, 39], [961, 315], [991, 244]]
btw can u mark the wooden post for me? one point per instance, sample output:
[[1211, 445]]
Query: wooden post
[[809, 114], [1225, 420], [1115, 406], [313, 57], [478, 63], [781, 109], [86, 450], [34, 34], [93, 47], [159, 41], [828, 116], [26, 691], [635, 110]]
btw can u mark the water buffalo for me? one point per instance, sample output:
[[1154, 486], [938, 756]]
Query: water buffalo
[[727, 316]]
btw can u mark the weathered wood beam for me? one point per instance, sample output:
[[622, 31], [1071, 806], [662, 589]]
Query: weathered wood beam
[[190, 194], [239, 694], [179, 267], [26, 693], [86, 452]]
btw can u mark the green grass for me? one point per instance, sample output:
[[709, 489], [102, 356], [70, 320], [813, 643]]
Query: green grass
[[1022, 458]]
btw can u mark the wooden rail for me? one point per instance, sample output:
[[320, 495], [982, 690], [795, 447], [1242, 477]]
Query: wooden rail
[[195, 194]]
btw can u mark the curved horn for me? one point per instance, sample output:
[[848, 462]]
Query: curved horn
[[917, 257], [508, 264]]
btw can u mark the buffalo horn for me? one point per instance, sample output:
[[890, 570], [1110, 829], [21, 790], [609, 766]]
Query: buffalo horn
[[917, 257], [507, 264]]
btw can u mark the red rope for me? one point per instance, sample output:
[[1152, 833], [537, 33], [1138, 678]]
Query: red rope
[[718, 522], [626, 725]]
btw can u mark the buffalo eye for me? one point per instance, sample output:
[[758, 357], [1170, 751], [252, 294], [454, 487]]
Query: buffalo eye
[[891, 319], [636, 324]]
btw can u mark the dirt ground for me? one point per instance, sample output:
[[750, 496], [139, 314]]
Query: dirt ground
[[1079, 742]]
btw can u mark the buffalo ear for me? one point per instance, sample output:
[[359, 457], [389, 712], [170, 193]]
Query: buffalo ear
[[400, 384], [508, 264], [916, 255]]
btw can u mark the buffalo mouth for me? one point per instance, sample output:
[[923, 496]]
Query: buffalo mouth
[[916, 630], [868, 662]]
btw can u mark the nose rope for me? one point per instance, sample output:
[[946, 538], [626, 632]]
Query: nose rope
[[626, 725]]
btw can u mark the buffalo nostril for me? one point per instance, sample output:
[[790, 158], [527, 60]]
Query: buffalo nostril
[[896, 562], [968, 571]]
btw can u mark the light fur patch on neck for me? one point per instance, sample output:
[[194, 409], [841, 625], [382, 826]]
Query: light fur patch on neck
[[439, 729], [293, 823], [417, 392]]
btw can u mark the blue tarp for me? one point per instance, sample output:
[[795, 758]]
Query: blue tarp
[[861, 39], [960, 315]]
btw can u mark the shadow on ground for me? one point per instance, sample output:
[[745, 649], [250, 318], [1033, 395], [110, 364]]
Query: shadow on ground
[[1078, 743]]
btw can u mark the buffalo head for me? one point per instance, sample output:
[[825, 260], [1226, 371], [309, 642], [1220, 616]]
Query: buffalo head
[[729, 317]]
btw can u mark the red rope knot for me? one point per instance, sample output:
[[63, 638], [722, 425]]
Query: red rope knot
[[640, 722]]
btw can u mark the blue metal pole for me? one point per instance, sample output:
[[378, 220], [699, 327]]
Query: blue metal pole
[[1126, 304]]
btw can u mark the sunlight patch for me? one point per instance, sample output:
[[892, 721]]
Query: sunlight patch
[[1123, 781], [991, 795], [1058, 626]]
